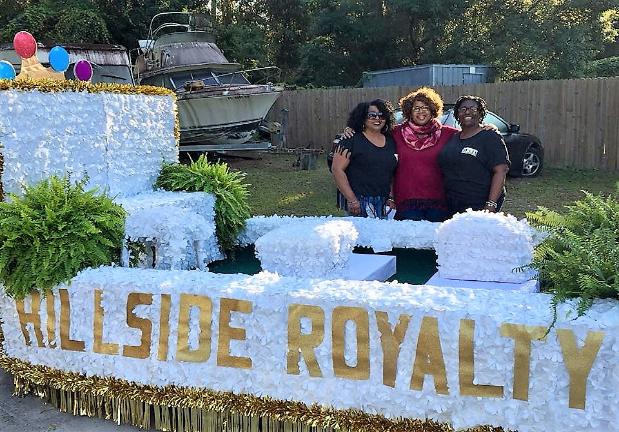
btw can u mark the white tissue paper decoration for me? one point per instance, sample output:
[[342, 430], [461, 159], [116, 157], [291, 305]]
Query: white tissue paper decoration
[[484, 246], [180, 225], [119, 141], [381, 235], [547, 407], [307, 249]]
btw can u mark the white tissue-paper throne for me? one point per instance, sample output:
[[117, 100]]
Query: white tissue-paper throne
[[483, 246]]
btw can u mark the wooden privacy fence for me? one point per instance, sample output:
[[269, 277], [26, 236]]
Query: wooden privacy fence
[[576, 120]]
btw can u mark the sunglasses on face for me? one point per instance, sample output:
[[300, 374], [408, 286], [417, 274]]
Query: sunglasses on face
[[375, 115]]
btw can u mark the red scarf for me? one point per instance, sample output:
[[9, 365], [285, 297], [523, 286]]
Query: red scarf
[[421, 137]]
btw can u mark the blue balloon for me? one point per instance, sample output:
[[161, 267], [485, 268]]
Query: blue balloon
[[59, 59], [7, 71]]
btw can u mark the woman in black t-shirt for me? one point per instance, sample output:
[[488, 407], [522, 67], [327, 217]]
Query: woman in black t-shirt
[[474, 162], [363, 166]]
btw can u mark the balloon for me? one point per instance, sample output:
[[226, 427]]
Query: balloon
[[59, 59], [25, 45], [83, 70], [7, 71]]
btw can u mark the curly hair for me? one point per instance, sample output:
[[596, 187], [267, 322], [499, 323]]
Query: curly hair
[[357, 117], [426, 95], [481, 106]]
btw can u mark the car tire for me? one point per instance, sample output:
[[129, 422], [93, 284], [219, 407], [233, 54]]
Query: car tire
[[532, 162]]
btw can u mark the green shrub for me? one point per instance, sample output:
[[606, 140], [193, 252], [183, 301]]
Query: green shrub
[[606, 67], [53, 231], [231, 208], [580, 257]]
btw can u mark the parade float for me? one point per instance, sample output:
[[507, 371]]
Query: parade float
[[154, 339]]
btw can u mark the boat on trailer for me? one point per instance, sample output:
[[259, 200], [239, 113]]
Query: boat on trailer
[[218, 107]]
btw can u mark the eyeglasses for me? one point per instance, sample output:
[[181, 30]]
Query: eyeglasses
[[375, 115], [421, 109], [473, 109]]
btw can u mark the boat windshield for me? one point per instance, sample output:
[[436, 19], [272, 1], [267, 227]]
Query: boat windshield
[[232, 78], [208, 78]]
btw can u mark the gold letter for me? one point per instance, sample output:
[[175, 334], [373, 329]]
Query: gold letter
[[467, 365], [99, 346], [522, 335], [341, 315], [141, 351], [579, 362], [390, 342], [304, 344], [164, 327], [429, 357], [226, 333], [66, 343], [51, 320], [30, 317], [204, 345]]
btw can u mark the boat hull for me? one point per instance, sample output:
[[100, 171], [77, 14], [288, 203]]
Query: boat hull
[[220, 119]]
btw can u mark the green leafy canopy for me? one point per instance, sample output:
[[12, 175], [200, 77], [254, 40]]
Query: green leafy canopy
[[53, 231], [580, 257], [231, 207]]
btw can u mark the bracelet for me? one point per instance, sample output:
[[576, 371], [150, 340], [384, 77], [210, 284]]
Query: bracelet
[[353, 202], [490, 203]]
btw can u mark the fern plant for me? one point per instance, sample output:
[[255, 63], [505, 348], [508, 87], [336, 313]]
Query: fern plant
[[53, 231], [231, 207], [580, 257]]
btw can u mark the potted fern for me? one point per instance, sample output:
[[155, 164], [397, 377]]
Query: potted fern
[[54, 230], [231, 207], [580, 256]]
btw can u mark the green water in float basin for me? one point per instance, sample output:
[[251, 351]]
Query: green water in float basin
[[413, 266]]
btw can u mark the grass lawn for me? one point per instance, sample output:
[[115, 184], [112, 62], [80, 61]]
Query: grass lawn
[[277, 187]]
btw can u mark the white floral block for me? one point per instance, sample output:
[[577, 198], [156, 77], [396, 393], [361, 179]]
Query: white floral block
[[380, 235], [118, 141], [181, 238], [483, 246], [307, 250], [493, 357], [150, 215]]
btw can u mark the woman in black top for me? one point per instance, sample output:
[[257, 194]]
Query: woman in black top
[[363, 166], [474, 162]]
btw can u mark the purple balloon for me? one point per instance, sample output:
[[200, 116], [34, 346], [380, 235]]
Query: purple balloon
[[82, 70]]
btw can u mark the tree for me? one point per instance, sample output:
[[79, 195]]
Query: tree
[[529, 40], [347, 38], [59, 21]]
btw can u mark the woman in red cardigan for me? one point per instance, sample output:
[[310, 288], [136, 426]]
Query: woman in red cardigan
[[418, 183]]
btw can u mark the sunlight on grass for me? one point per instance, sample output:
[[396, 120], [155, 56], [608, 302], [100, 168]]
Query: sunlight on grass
[[291, 199]]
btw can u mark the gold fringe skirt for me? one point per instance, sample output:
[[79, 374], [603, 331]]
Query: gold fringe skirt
[[186, 409]]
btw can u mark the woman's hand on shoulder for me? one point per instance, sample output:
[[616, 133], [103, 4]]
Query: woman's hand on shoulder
[[348, 132], [490, 127]]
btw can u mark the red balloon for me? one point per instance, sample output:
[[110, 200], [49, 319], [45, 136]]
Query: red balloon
[[25, 45]]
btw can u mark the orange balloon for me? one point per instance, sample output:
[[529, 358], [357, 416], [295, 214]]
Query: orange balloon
[[25, 45]]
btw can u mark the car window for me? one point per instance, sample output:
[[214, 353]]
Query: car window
[[448, 119], [497, 121]]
